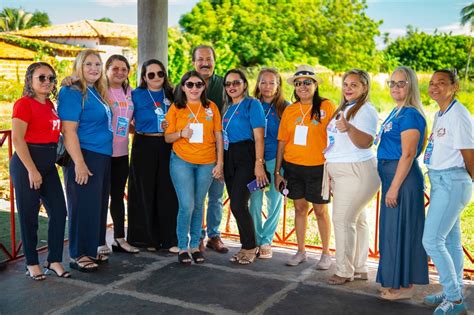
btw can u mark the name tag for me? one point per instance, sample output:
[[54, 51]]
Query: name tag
[[198, 133], [122, 126], [225, 137], [330, 145], [301, 133], [429, 150], [266, 125]]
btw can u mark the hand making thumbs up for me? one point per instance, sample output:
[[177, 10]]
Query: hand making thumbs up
[[341, 123], [187, 132]]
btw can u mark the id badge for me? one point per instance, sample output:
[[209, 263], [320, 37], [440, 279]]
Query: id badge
[[330, 146], [301, 133], [378, 136], [225, 137], [198, 133], [428, 151], [160, 116], [122, 126], [266, 126]]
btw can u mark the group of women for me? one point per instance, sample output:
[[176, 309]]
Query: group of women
[[305, 150]]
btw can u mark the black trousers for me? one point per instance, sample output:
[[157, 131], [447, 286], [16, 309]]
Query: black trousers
[[239, 170], [152, 201], [28, 202], [87, 204], [118, 179]]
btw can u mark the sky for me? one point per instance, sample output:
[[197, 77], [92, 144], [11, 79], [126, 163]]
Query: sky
[[426, 15]]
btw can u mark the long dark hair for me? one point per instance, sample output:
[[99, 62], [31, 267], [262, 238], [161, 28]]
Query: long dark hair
[[317, 101], [167, 87], [28, 88], [278, 99], [180, 99], [108, 63], [227, 98]]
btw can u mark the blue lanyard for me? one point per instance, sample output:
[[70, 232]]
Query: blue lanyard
[[231, 116], [154, 102]]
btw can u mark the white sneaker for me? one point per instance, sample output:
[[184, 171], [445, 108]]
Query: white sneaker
[[324, 262], [297, 259], [265, 251]]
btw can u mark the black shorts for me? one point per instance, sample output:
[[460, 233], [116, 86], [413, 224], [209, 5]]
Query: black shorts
[[305, 182]]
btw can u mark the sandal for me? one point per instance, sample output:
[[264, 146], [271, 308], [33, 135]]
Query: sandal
[[84, 265], [198, 257], [361, 276], [64, 274], [122, 246], [398, 295], [104, 250], [236, 256], [100, 259], [38, 277], [248, 257], [184, 258], [337, 280]]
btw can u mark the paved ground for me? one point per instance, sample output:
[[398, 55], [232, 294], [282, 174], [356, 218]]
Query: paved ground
[[155, 283]]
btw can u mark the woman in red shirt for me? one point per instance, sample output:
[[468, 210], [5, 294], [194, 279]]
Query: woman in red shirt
[[35, 134]]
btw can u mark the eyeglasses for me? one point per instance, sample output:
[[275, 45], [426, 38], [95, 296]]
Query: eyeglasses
[[307, 82], [398, 84], [92, 64], [151, 75], [198, 85], [234, 83], [42, 78]]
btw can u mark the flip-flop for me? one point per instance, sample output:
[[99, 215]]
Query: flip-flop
[[65, 274]]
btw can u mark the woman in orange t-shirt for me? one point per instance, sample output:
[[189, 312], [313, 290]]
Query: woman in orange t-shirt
[[196, 133], [301, 142]]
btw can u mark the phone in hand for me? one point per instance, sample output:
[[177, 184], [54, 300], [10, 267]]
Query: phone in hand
[[252, 186]]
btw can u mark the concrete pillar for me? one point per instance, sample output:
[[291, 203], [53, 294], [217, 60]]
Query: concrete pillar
[[152, 21]]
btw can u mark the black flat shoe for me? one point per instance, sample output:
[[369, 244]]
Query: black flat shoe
[[65, 274], [117, 248], [198, 257], [184, 258]]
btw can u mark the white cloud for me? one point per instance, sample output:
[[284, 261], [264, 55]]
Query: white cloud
[[115, 3]]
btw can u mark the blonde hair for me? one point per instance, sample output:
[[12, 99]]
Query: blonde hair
[[364, 78], [413, 98], [100, 85]]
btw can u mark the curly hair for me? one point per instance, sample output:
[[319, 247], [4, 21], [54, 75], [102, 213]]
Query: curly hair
[[28, 88]]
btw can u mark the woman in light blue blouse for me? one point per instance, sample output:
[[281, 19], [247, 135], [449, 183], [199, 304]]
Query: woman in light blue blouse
[[268, 90], [403, 260]]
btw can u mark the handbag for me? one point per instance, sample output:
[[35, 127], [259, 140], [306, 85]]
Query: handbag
[[62, 156]]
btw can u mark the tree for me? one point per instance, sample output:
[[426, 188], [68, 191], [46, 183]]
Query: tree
[[104, 19], [467, 17], [40, 19], [12, 19], [338, 34]]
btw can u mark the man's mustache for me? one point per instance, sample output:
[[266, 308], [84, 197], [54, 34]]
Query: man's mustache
[[205, 67]]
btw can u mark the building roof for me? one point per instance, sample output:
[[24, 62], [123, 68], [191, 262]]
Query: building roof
[[9, 51], [84, 28], [25, 44]]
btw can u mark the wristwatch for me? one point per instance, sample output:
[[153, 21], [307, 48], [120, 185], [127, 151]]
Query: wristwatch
[[262, 161]]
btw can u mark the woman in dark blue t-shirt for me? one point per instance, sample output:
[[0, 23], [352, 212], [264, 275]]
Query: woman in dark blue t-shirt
[[403, 261]]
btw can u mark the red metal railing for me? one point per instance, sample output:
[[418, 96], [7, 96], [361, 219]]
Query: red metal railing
[[281, 237]]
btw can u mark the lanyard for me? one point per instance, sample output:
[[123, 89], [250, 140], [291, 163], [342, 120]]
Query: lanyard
[[154, 102], [447, 109], [268, 111], [118, 103], [304, 114], [231, 116], [195, 115], [389, 118], [107, 108]]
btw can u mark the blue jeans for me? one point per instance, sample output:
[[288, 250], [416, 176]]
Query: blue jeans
[[191, 182], [214, 209], [264, 232], [451, 190]]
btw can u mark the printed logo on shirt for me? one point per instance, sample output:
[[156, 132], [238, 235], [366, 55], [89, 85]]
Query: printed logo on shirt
[[298, 119], [441, 132], [209, 112], [314, 122], [166, 102], [323, 114], [56, 123], [332, 127], [387, 127]]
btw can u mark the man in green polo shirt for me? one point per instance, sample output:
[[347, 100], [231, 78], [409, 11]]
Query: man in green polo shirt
[[204, 59]]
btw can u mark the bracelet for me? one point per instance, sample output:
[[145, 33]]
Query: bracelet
[[277, 173], [260, 160]]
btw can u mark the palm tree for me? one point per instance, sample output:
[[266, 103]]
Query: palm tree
[[467, 17], [12, 19]]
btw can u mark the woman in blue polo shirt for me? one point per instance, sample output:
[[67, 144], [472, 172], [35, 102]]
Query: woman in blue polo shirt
[[449, 157], [243, 132], [268, 90], [403, 260], [87, 128], [152, 203]]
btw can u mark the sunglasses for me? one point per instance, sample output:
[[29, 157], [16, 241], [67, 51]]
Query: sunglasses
[[151, 75], [398, 84], [234, 83], [42, 78], [307, 82], [198, 85]]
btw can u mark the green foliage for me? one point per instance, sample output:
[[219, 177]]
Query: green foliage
[[104, 19], [12, 19], [40, 19], [179, 55], [40, 46], [426, 52], [338, 34]]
